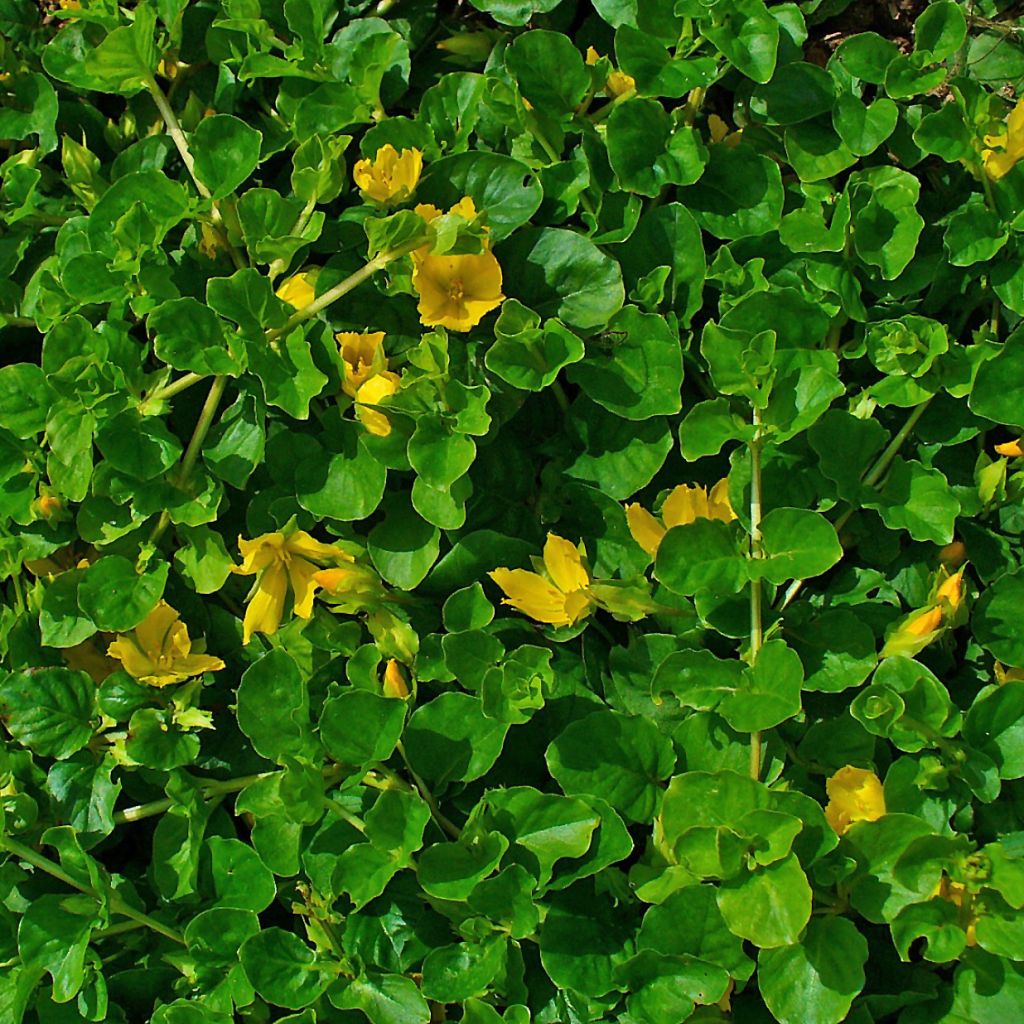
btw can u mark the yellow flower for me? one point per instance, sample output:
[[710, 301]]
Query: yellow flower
[[391, 177], [362, 356], [158, 651], [618, 83], [1007, 675], [350, 587], [281, 559], [951, 591], [720, 132], [684, 505], [854, 794], [299, 290], [210, 241], [1011, 449], [394, 681], [458, 291], [1007, 147], [370, 393], [957, 894], [560, 596]]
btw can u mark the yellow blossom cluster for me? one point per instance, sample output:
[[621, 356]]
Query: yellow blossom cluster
[[367, 378], [390, 177]]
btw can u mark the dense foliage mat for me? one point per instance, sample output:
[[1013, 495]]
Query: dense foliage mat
[[511, 512]]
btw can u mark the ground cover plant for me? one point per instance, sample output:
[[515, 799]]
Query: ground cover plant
[[511, 511]]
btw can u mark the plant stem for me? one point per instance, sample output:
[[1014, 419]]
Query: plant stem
[[216, 787], [117, 903], [16, 321], [176, 387], [181, 143], [445, 824], [203, 425], [343, 287], [756, 625]]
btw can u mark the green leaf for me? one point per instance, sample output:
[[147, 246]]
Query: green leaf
[[385, 999], [864, 127], [797, 544], [886, 224], [163, 201], [438, 454], [56, 940], [866, 56], [459, 972], [940, 30], [770, 906], [995, 726], [739, 196], [974, 234], [61, 622], [248, 299], [25, 399], [769, 692], [273, 708], [282, 968], [286, 369], [403, 547], [816, 151], [359, 728], [49, 710], [622, 759], [504, 190], [142, 447], [620, 456], [190, 336], [997, 619], [116, 597], [635, 369], [526, 355], [819, 977], [240, 879], [701, 555], [451, 871], [561, 274], [450, 738], [226, 151], [125, 60], [155, 742], [647, 154], [348, 485], [235, 446], [998, 392], [748, 36], [916, 499], [549, 71]]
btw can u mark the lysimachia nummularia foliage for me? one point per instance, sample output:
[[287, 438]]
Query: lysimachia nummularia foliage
[[511, 511]]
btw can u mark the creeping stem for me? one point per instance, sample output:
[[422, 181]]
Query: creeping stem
[[756, 625], [117, 903], [181, 143]]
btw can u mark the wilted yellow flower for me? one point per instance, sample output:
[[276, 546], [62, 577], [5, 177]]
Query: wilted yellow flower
[[394, 684], [1007, 147], [87, 657], [1007, 675], [720, 131], [281, 559], [560, 596], [299, 290], [370, 393], [854, 794], [684, 505], [69, 5], [953, 554], [1011, 449], [391, 177], [158, 651], [362, 356]]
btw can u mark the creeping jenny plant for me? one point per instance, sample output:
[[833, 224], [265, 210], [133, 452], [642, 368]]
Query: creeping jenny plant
[[511, 512]]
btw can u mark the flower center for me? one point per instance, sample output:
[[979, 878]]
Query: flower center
[[455, 290]]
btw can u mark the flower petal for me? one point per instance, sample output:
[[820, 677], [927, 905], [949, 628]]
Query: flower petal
[[266, 605], [533, 595], [564, 564], [646, 530]]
